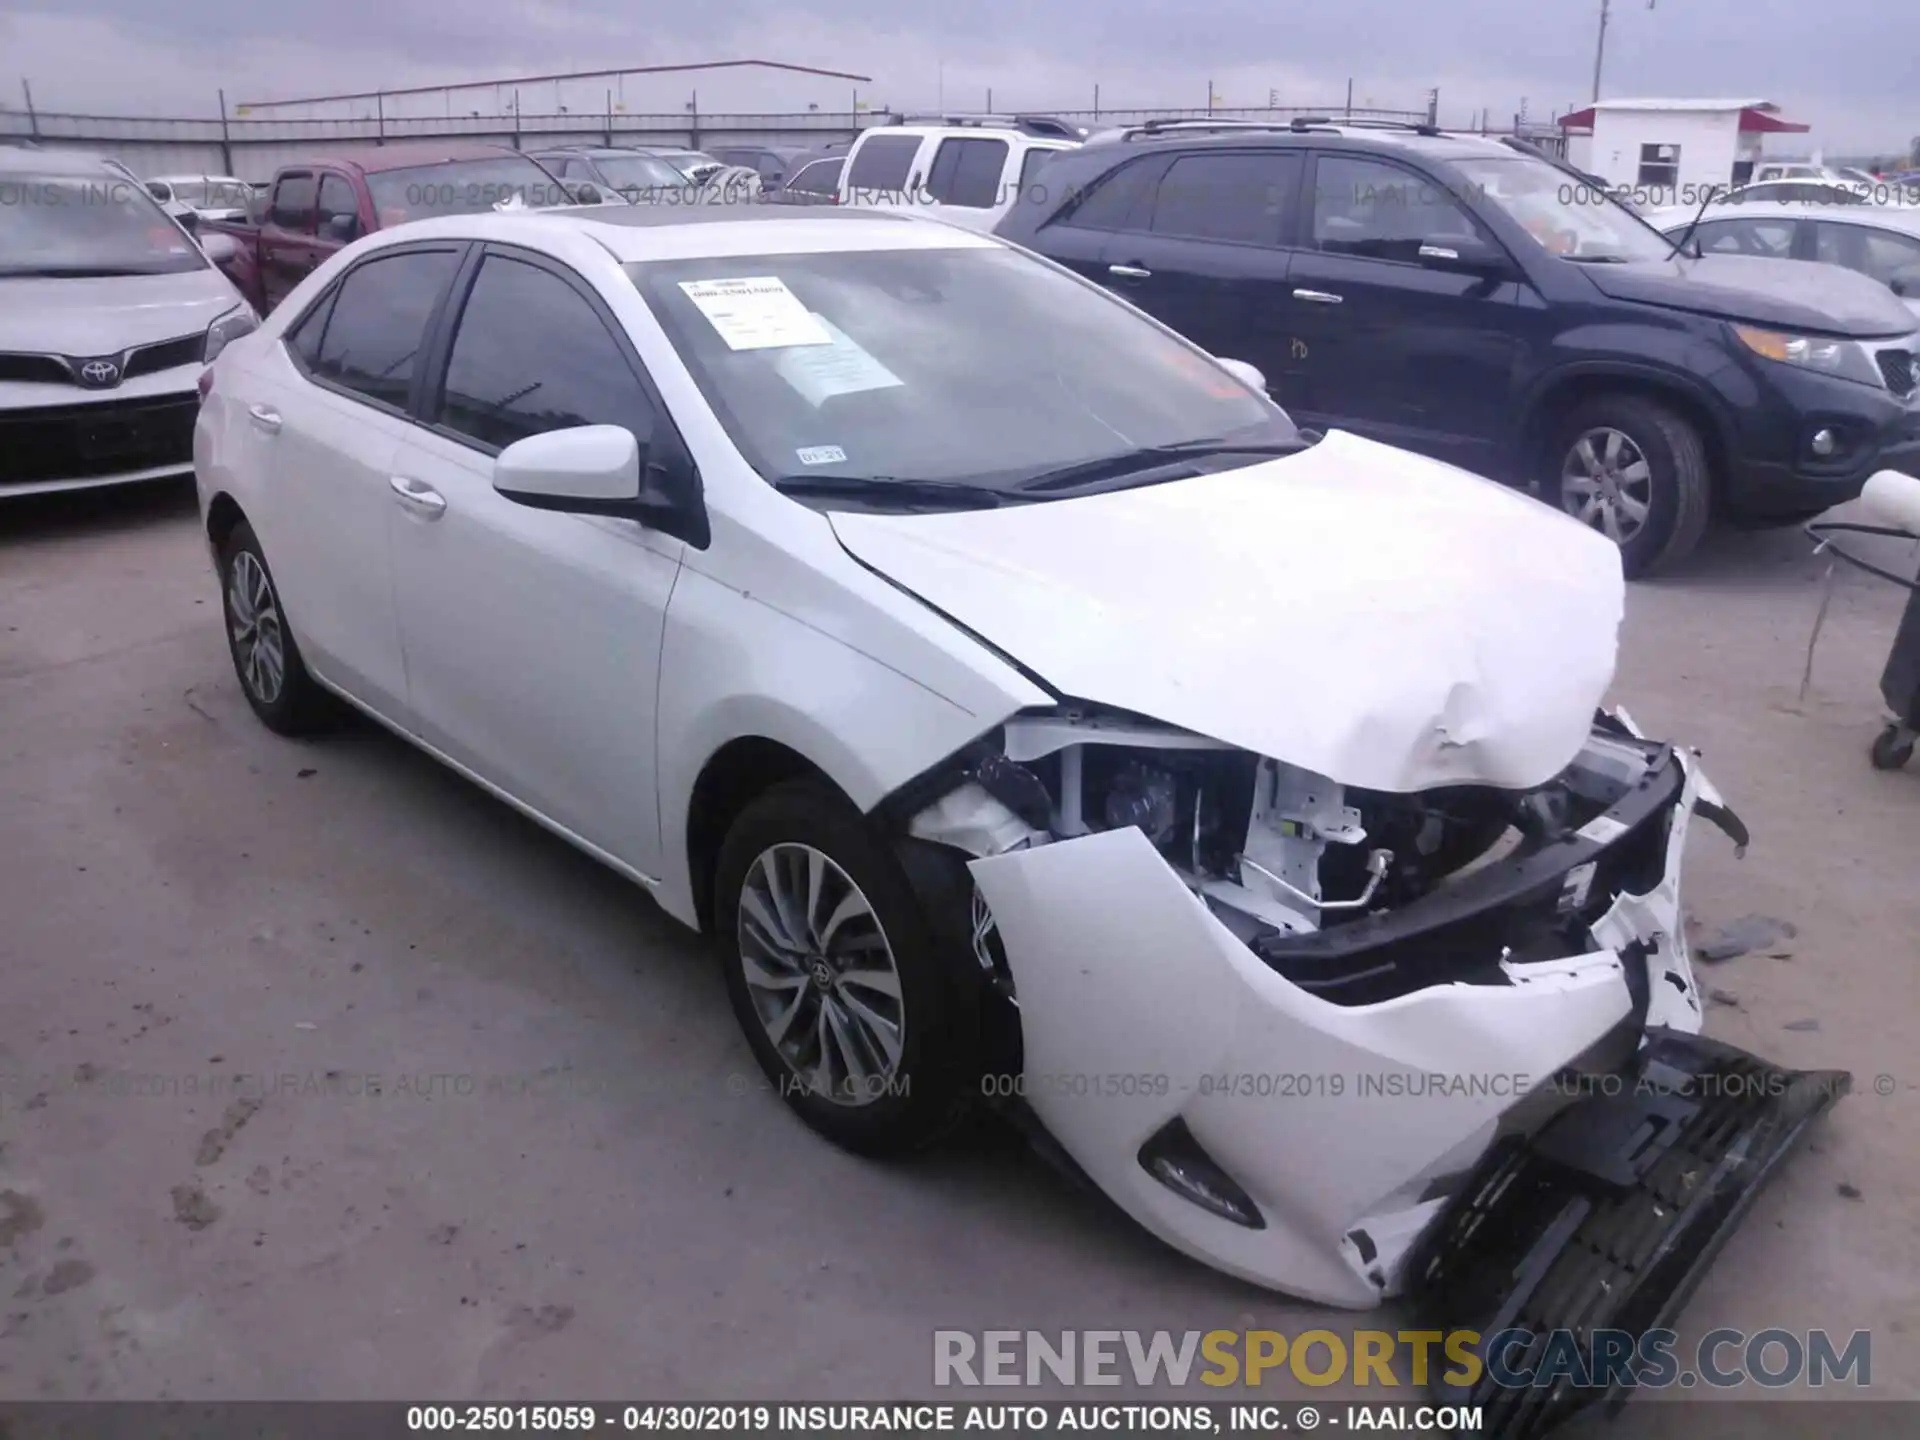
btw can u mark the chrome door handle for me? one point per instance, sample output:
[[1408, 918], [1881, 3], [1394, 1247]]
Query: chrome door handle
[[1130, 272], [419, 497], [264, 416], [1317, 297]]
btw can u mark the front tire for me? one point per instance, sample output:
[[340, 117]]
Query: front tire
[[1637, 472], [850, 1005], [266, 658]]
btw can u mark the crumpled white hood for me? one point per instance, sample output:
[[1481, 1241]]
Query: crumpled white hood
[[1383, 619]]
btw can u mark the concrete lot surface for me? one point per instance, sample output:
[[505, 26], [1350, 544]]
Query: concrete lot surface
[[563, 1183]]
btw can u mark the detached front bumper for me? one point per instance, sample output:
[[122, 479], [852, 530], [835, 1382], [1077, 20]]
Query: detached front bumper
[[1565, 1249], [1313, 1147]]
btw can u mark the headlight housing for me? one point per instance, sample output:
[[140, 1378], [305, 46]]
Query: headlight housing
[[229, 327], [1847, 359]]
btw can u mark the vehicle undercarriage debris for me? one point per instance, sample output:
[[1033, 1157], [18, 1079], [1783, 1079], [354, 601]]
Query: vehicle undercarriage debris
[[1336, 1041]]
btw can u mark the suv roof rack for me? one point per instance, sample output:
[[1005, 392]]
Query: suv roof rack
[[1042, 126], [1326, 123], [1194, 125]]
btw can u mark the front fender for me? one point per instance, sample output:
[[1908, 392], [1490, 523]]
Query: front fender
[[733, 667]]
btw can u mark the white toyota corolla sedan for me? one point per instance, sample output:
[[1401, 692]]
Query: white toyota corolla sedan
[[1032, 713]]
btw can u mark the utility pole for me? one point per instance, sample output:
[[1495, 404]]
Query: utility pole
[[226, 140], [1600, 48]]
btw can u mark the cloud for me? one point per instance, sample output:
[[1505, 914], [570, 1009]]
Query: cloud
[[1832, 66]]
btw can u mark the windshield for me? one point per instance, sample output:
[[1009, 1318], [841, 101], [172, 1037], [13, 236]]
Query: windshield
[[1568, 216], [462, 187], [637, 176], [977, 365], [212, 194], [87, 225]]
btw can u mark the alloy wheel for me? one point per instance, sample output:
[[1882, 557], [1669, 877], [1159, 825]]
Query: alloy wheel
[[259, 641], [821, 974], [1607, 483]]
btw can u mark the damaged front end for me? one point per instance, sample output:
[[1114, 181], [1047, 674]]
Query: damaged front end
[[1334, 1040]]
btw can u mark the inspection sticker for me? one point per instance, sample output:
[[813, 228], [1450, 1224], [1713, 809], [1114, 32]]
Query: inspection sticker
[[756, 312], [820, 454]]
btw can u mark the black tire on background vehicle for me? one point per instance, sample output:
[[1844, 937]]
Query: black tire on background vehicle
[[1892, 748], [857, 1013], [1637, 472], [266, 657]]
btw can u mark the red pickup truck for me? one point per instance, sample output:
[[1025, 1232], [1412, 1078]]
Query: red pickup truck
[[314, 209]]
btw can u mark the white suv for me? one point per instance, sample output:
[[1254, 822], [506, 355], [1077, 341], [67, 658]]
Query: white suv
[[964, 168]]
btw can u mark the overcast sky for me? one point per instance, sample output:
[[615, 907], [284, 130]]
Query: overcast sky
[[1848, 67]]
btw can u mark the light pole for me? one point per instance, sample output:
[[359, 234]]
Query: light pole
[[1600, 48]]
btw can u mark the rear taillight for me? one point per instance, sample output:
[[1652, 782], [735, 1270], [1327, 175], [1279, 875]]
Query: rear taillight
[[206, 382]]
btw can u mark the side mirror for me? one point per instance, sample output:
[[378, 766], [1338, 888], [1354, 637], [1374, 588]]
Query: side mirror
[[189, 221], [218, 248], [589, 468], [343, 227], [588, 193], [1893, 499], [1906, 283], [159, 191], [1463, 254], [1248, 375]]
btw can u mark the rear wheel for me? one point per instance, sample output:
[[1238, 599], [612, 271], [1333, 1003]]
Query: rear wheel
[[266, 658], [1637, 472], [851, 1003]]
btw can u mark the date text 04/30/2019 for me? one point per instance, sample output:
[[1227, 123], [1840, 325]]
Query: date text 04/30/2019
[[920, 1419]]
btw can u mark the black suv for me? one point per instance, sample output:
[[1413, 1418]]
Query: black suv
[[1491, 307]]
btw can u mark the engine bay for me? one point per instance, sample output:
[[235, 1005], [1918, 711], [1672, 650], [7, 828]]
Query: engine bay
[[1355, 894]]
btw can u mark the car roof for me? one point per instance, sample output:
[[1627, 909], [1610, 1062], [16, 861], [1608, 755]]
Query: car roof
[[637, 233], [407, 157], [31, 159]]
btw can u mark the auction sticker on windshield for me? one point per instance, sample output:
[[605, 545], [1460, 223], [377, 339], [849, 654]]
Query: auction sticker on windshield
[[756, 312]]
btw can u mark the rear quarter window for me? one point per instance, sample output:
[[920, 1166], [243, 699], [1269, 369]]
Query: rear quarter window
[[1109, 202], [883, 162]]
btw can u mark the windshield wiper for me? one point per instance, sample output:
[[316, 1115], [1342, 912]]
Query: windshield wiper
[[888, 487], [1152, 457]]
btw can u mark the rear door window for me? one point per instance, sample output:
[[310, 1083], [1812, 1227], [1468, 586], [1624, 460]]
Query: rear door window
[[1879, 253], [1112, 201], [378, 323], [1030, 165], [968, 172], [883, 162], [1237, 197]]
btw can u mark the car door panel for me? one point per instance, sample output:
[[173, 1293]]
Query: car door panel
[[324, 528], [532, 638], [329, 421], [532, 642], [1205, 258], [1424, 358]]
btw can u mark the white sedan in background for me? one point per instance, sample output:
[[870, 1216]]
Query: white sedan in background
[[1881, 241], [1030, 711]]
